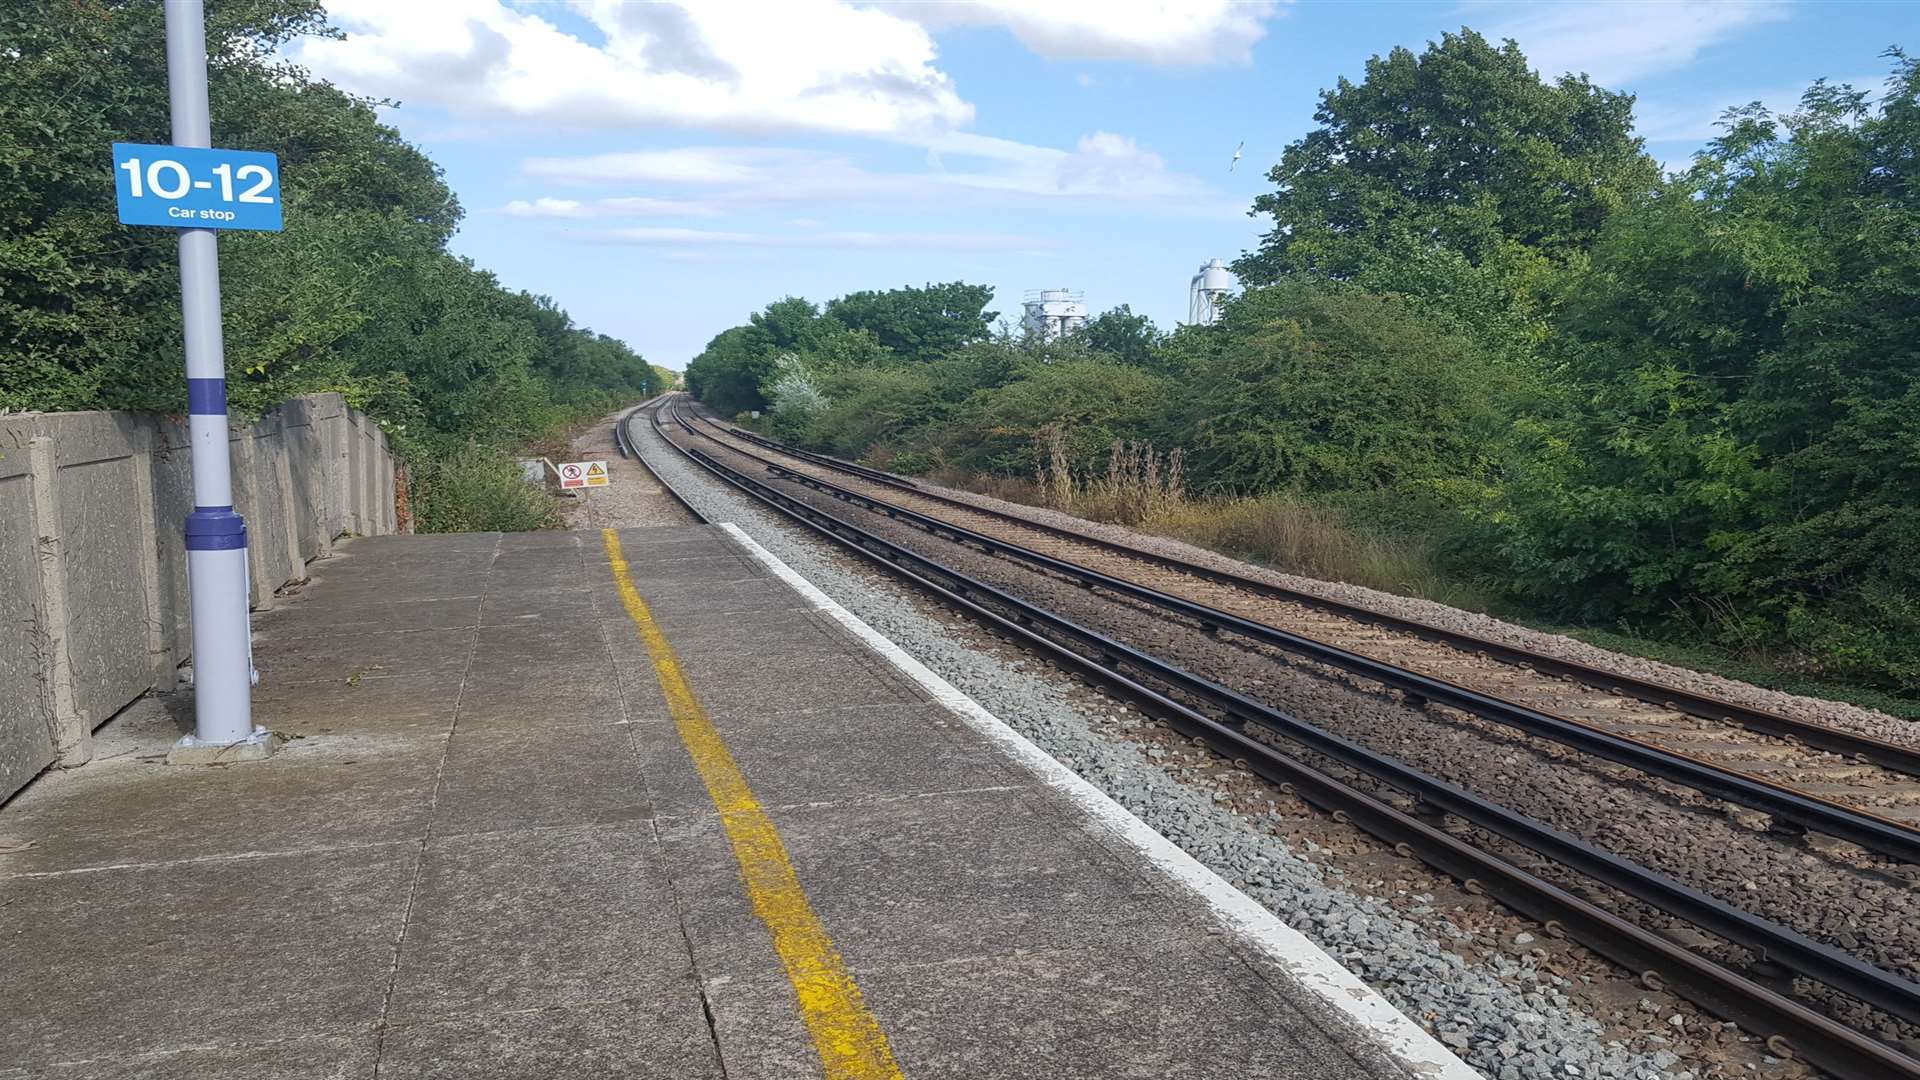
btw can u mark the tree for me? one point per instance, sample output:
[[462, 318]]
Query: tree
[[728, 372], [1121, 334], [919, 323], [1745, 374], [1310, 387], [1462, 148]]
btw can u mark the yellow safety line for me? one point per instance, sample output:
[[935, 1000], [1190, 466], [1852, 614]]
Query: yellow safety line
[[847, 1036]]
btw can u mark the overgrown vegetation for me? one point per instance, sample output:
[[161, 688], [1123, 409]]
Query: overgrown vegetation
[[1487, 353], [359, 294]]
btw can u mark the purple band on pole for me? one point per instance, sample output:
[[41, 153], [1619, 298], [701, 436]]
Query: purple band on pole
[[211, 528], [207, 397]]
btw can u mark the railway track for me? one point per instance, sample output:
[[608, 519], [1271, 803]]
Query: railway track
[[1235, 726], [1807, 776]]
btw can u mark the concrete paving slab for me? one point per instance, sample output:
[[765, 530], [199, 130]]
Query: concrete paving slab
[[537, 540], [325, 1057], [867, 752], [713, 569], [663, 1039], [417, 545], [727, 684], [900, 881], [526, 556], [392, 705], [307, 796], [538, 643], [297, 656], [795, 639], [770, 629], [676, 606], [540, 917], [345, 574], [114, 963], [557, 572], [654, 537], [378, 589], [643, 549], [1187, 1010], [506, 607], [406, 615], [528, 777], [585, 700], [351, 579]]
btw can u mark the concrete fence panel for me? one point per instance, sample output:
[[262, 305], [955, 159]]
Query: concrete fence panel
[[93, 579]]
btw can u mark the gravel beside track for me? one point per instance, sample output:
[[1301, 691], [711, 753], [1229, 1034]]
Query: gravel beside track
[[1507, 1005]]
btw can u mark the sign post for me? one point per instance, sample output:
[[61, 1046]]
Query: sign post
[[196, 189]]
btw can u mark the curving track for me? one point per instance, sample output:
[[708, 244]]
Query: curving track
[[1244, 727], [1853, 786]]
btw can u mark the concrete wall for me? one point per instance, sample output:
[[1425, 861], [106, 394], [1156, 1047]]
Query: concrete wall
[[93, 575]]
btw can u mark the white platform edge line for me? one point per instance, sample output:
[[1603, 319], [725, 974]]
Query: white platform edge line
[[1401, 1038]]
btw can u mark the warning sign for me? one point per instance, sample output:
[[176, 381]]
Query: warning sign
[[583, 474]]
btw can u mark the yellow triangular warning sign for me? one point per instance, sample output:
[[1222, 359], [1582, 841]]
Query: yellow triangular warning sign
[[595, 469]]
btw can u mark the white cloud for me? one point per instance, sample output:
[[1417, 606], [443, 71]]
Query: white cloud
[[625, 206], [963, 169], [1154, 31], [1616, 42], [809, 65], [691, 241], [545, 207], [830, 66]]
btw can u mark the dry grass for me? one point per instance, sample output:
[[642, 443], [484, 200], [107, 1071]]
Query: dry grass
[[1313, 541], [1140, 483], [1144, 489]]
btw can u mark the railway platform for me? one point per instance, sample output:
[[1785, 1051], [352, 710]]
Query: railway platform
[[631, 803]]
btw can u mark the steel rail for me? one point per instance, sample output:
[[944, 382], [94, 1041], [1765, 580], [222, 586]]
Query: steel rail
[[1788, 1025], [1880, 834], [625, 438], [825, 460], [1886, 754], [1836, 968]]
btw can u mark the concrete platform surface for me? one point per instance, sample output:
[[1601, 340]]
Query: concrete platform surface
[[489, 852]]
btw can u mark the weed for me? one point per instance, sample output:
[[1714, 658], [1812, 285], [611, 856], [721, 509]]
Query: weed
[[477, 488]]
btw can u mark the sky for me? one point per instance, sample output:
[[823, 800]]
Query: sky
[[664, 169]]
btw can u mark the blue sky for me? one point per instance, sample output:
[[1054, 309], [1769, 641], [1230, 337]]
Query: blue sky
[[664, 169]]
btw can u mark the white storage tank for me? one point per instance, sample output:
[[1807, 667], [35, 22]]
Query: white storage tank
[[1054, 313], [1210, 286]]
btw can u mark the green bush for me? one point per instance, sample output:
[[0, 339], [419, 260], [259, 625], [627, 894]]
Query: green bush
[[476, 488]]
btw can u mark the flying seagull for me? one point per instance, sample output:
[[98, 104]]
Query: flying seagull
[[1236, 155]]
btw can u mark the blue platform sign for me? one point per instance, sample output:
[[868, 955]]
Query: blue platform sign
[[186, 187]]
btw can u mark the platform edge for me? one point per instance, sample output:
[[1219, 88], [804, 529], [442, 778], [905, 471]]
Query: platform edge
[[1395, 1034]]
